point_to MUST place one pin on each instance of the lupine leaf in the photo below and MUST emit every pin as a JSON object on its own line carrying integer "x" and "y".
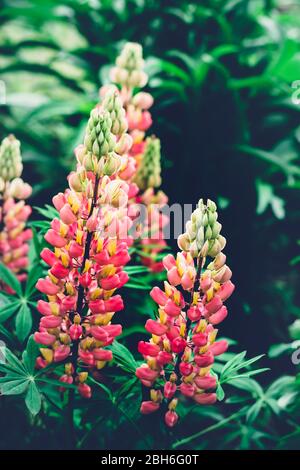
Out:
{"x": 10, "y": 279}
{"x": 8, "y": 310}
{"x": 30, "y": 354}
{"x": 123, "y": 357}
{"x": 23, "y": 322}
{"x": 33, "y": 399}
{"x": 13, "y": 362}
{"x": 14, "y": 387}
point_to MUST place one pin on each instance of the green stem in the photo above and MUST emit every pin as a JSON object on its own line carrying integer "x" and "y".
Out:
{"x": 209, "y": 429}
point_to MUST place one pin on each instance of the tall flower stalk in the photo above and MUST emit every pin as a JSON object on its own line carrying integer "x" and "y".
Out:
{"x": 144, "y": 155}
{"x": 180, "y": 354}
{"x": 89, "y": 250}
{"x": 14, "y": 235}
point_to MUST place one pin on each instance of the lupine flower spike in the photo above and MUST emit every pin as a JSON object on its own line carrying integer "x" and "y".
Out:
{"x": 180, "y": 354}
{"x": 14, "y": 235}
{"x": 86, "y": 259}
{"x": 144, "y": 153}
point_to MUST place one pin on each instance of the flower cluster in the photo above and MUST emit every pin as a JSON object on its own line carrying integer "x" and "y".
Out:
{"x": 144, "y": 154}
{"x": 183, "y": 346}
{"x": 14, "y": 235}
{"x": 88, "y": 253}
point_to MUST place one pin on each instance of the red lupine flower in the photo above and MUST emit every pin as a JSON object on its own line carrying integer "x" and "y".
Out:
{"x": 142, "y": 163}
{"x": 182, "y": 349}
{"x": 148, "y": 407}
{"x": 14, "y": 213}
{"x": 87, "y": 257}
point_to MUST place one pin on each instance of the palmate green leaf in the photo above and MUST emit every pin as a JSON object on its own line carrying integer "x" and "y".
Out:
{"x": 231, "y": 370}
{"x": 14, "y": 387}
{"x": 33, "y": 399}
{"x": 220, "y": 393}
{"x": 248, "y": 385}
{"x": 23, "y": 322}
{"x": 254, "y": 410}
{"x": 34, "y": 274}
{"x": 123, "y": 357}
{"x": 231, "y": 364}
{"x": 245, "y": 375}
{"x": 279, "y": 386}
{"x": 13, "y": 363}
{"x": 10, "y": 279}
{"x": 37, "y": 242}
{"x": 30, "y": 354}
{"x": 6, "y": 334}
{"x": 49, "y": 212}
{"x": 8, "y": 310}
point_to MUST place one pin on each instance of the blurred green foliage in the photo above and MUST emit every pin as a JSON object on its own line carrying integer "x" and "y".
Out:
{"x": 225, "y": 77}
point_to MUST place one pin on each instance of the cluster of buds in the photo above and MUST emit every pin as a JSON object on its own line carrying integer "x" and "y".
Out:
{"x": 144, "y": 155}
{"x": 86, "y": 260}
{"x": 128, "y": 71}
{"x": 148, "y": 173}
{"x": 203, "y": 232}
{"x": 181, "y": 352}
{"x": 14, "y": 213}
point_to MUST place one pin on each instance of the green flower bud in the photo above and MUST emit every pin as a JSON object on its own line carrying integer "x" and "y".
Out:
{"x": 202, "y": 236}
{"x": 113, "y": 104}
{"x": 148, "y": 174}
{"x": 10, "y": 159}
{"x": 109, "y": 165}
{"x": 129, "y": 67}
{"x": 214, "y": 248}
{"x": 99, "y": 140}
{"x": 2, "y": 184}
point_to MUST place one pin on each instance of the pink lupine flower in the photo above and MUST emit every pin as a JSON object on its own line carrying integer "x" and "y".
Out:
{"x": 169, "y": 389}
{"x": 148, "y": 407}
{"x": 14, "y": 213}
{"x": 46, "y": 286}
{"x": 44, "y": 338}
{"x": 148, "y": 349}
{"x": 136, "y": 169}
{"x": 155, "y": 328}
{"x": 171, "y": 418}
{"x": 85, "y": 260}
{"x": 182, "y": 350}
{"x": 219, "y": 347}
{"x": 205, "y": 398}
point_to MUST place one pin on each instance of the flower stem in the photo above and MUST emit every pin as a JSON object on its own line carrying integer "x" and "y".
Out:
{"x": 79, "y": 308}
{"x": 188, "y": 321}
